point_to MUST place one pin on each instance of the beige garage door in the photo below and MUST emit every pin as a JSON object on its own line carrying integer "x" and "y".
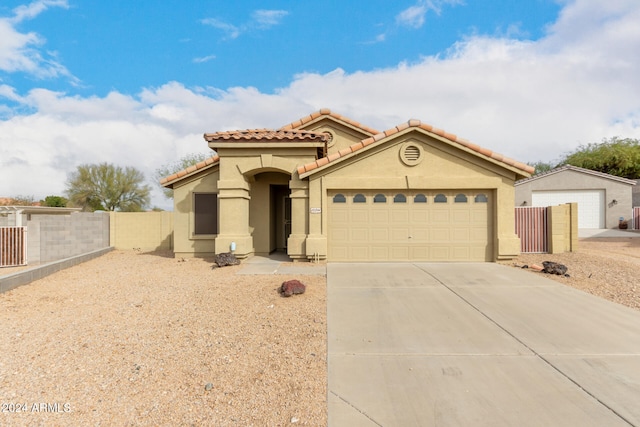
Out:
{"x": 410, "y": 226}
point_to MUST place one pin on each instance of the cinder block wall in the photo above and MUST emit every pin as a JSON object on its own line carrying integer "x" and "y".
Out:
{"x": 64, "y": 236}
{"x": 146, "y": 231}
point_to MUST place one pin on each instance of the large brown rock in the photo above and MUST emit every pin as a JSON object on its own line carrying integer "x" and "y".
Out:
{"x": 292, "y": 287}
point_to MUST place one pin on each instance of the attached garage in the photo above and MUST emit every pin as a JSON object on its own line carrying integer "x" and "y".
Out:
{"x": 422, "y": 225}
{"x": 590, "y": 204}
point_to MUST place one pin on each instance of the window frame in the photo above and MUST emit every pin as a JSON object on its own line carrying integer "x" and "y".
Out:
{"x": 194, "y": 215}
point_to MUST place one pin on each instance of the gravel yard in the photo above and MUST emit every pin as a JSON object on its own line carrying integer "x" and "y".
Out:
{"x": 606, "y": 267}
{"x": 146, "y": 339}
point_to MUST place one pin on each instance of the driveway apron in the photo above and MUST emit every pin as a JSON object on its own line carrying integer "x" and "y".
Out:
{"x": 428, "y": 344}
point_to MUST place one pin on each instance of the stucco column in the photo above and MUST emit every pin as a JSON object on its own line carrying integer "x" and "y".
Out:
{"x": 233, "y": 201}
{"x": 508, "y": 244}
{"x": 317, "y": 239}
{"x": 296, "y": 243}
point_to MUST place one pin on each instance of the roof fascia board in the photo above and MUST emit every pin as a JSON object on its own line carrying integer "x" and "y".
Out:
{"x": 192, "y": 174}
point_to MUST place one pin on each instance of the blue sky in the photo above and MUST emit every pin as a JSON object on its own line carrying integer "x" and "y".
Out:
{"x": 138, "y": 82}
{"x": 128, "y": 45}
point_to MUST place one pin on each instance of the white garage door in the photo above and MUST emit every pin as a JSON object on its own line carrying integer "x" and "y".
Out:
{"x": 590, "y": 204}
{"x": 410, "y": 226}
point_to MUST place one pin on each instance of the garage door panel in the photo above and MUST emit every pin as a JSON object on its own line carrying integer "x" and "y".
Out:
{"x": 358, "y": 215}
{"x": 419, "y": 252}
{"x": 477, "y": 234}
{"x": 379, "y": 253}
{"x": 439, "y": 234}
{"x": 441, "y": 217}
{"x": 460, "y": 235}
{"x": 410, "y": 231}
{"x": 419, "y": 235}
{"x": 399, "y": 216}
{"x": 479, "y": 216}
{"x": 441, "y": 253}
{"x": 591, "y": 206}
{"x": 399, "y": 234}
{"x": 379, "y": 235}
{"x": 359, "y": 235}
{"x": 400, "y": 253}
{"x": 461, "y": 216}
{"x": 420, "y": 216}
{"x": 380, "y": 217}
{"x": 339, "y": 235}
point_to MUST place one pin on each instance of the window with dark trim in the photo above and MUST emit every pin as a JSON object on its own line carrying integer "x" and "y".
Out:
{"x": 359, "y": 198}
{"x": 440, "y": 198}
{"x": 420, "y": 198}
{"x": 480, "y": 198}
{"x": 205, "y": 212}
{"x": 460, "y": 198}
{"x": 380, "y": 198}
{"x": 339, "y": 198}
{"x": 400, "y": 198}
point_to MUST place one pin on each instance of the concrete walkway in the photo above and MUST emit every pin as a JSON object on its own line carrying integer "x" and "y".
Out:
{"x": 476, "y": 345}
{"x": 279, "y": 263}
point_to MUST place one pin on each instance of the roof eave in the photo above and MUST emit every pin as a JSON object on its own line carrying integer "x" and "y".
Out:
{"x": 215, "y": 145}
{"x": 415, "y": 126}
{"x": 578, "y": 170}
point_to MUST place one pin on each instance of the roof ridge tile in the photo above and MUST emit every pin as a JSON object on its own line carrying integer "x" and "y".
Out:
{"x": 327, "y": 112}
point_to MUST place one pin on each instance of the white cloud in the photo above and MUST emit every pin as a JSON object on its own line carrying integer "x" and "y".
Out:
{"x": 231, "y": 30}
{"x": 261, "y": 19}
{"x": 203, "y": 59}
{"x": 33, "y": 9}
{"x": 531, "y": 100}
{"x": 22, "y": 52}
{"x": 414, "y": 16}
{"x": 268, "y": 18}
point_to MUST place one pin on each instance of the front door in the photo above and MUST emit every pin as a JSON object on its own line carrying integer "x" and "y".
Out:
{"x": 281, "y": 216}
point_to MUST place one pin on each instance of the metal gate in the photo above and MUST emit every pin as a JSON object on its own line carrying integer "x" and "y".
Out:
{"x": 636, "y": 218}
{"x": 13, "y": 246}
{"x": 531, "y": 227}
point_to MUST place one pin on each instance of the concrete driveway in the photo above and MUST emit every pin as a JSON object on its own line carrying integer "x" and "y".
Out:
{"x": 476, "y": 344}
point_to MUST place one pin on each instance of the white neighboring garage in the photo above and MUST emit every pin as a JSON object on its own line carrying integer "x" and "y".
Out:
{"x": 591, "y": 207}
{"x": 602, "y": 198}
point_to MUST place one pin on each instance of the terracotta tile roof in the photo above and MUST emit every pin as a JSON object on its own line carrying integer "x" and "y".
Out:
{"x": 577, "y": 169}
{"x": 417, "y": 124}
{"x": 324, "y": 113}
{"x": 267, "y": 134}
{"x": 169, "y": 180}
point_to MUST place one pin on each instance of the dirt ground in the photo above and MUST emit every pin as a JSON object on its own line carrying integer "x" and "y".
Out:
{"x": 606, "y": 267}
{"x": 146, "y": 339}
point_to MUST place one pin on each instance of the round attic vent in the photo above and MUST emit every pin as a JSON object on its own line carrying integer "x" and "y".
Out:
{"x": 411, "y": 153}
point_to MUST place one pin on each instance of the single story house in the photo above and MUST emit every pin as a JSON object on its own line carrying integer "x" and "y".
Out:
{"x": 602, "y": 198}
{"x": 326, "y": 187}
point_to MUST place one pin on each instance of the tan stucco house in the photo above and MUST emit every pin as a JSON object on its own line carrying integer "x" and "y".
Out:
{"x": 329, "y": 188}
